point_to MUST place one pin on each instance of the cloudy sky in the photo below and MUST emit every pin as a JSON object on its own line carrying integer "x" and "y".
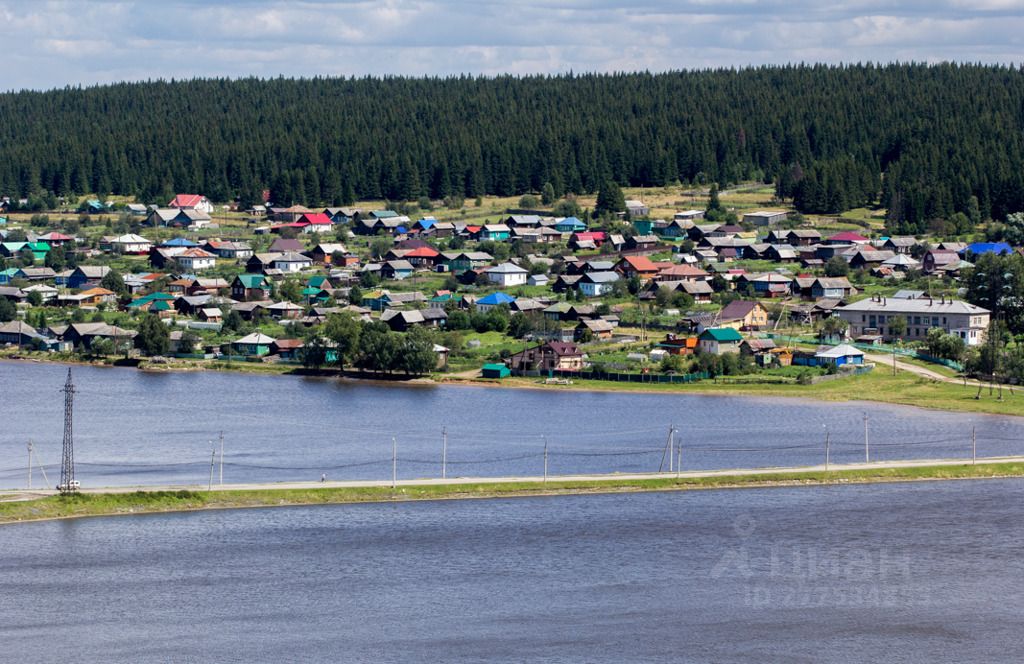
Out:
{"x": 52, "y": 44}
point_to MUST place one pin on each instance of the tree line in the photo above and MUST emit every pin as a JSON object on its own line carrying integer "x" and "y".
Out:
{"x": 926, "y": 141}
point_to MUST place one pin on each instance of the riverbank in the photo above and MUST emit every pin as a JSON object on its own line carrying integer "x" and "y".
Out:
{"x": 905, "y": 388}
{"x": 120, "y": 502}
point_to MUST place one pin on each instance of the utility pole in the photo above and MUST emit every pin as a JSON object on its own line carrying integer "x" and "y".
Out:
{"x": 671, "y": 445}
{"x": 545, "y": 459}
{"x": 974, "y": 445}
{"x": 67, "y": 463}
{"x": 444, "y": 453}
{"x": 827, "y": 443}
{"x": 30, "y": 465}
{"x": 42, "y": 468}
{"x": 213, "y": 459}
{"x": 394, "y": 462}
{"x": 867, "y": 455}
{"x": 222, "y": 457}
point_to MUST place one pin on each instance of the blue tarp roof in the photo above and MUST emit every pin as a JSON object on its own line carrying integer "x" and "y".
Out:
{"x": 179, "y": 242}
{"x": 989, "y": 248}
{"x": 496, "y": 299}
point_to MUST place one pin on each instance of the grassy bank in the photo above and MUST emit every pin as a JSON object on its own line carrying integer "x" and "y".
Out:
{"x": 903, "y": 389}
{"x": 143, "y": 502}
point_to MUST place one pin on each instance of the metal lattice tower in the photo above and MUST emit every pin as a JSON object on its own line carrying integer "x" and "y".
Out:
{"x": 67, "y": 462}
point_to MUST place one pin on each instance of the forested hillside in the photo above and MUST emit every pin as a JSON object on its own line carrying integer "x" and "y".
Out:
{"x": 920, "y": 140}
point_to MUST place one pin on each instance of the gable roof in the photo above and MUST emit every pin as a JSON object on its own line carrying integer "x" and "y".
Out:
{"x": 497, "y": 298}
{"x": 186, "y": 201}
{"x": 848, "y": 236}
{"x": 640, "y": 263}
{"x": 721, "y": 334}
{"x": 737, "y": 310}
{"x": 257, "y": 338}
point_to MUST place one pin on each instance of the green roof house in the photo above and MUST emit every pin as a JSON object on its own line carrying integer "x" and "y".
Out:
{"x": 495, "y": 370}
{"x": 719, "y": 340}
{"x": 249, "y": 287}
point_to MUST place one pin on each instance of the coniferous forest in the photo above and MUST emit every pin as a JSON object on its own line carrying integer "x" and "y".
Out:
{"x": 924, "y": 141}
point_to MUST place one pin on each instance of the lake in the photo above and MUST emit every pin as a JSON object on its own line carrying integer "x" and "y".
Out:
{"x": 926, "y": 572}
{"x": 135, "y": 427}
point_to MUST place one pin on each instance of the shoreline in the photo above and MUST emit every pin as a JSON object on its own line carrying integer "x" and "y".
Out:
{"x": 884, "y": 388}
{"x": 137, "y": 502}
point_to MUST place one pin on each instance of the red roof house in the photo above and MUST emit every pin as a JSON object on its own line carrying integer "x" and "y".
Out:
{"x": 191, "y": 202}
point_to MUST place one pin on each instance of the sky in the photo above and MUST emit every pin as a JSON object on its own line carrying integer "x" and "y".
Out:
{"x": 53, "y": 44}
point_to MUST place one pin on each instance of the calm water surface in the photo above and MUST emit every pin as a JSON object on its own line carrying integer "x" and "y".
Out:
{"x": 927, "y": 572}
{"x": 148, "y": 428}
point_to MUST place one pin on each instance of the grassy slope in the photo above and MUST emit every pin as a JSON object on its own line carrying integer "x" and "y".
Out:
{"x": 879, "y": 385}
{"x": 167, "y": 501}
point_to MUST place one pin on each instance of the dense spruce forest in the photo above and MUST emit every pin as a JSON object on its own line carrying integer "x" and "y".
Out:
{"x": 927, "y": 142}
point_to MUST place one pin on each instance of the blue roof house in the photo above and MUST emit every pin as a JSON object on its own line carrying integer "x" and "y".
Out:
{"x": 570, "y": 225}
{"x": 493, "y": 300}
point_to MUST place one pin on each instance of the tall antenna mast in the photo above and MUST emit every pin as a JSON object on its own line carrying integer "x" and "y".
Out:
{"x": 67, "y": 463}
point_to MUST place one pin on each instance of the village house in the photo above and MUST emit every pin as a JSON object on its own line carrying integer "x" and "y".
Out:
{"x": 875, "y": 316}
{"x": 130, "y": 244}
{"x": 595, "y": 328}
{"x": 230, "y": 250}
{"x": 289, "y": 350}
{"x": 314, "y": 222}
{"x": 397, "y": 269}
{"x": 250, "y": 288}
{"x": 191, "y": 202}
{"x": 460, "y": 261}
{"x": 867, "y": 257}
{"x": 175, "y": 218}
{"x": 570, "y": 225}
{"x": 507, "y": 275}
{"x": 700, "y": 291}
{"x": 87, "y": 276}
{"x": 255, "y": 345}
{"x": 84, "y": 334}
{"x": 493, "y": 301}
{"x": 284, "y": 310}
{"x": 765, "y": 217}
{"x": 290, "y": 262}
{"x": 900, "y": 245}
{"x": 495, "y": 232}
{"x": 639, "y": 266}
{"x": 838, "y": 288}
{"x": 19, "y": 333}
{"x": 637, "y": 209}
{"x": 550, "y": 356}
{"x": 596, "y": 284}
{"x": 939, "y": 260}
{"x": 195, "y": 260}
{"x": 743, "y": 315}
{"x": 719, "y": 341}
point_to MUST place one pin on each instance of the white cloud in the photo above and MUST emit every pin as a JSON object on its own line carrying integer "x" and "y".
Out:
{"x": 54, "y": 43}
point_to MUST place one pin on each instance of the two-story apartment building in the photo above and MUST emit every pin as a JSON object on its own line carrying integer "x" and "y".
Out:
{"x": 875, "y": 316}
